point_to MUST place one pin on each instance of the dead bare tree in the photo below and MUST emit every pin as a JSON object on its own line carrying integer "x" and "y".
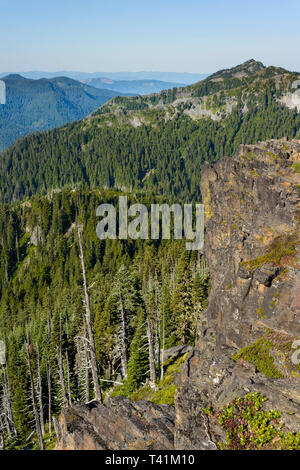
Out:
{"x": 61, "y": 375}
{"x": 86, "y": 371}
{"x": 123, "y": 337}
{"x": 40, "y": 392}
{"x": 163, "y": 345}
{"x": 49, "y": 397}
{"x": 157, "y": 328}
{"x": 48, "y": 366}
{"x": 7, "y": 405}
{"x": 90, "y": 334}
{"x": 151, "y": 352}
{"x": 7, "y": 420}
{"x": 61, "y": 367}
{"x": 82, "y": 366}
{"x": 150, "y": 302}
{"x": 68, "y": 379}
{"x": 33, "y": 399}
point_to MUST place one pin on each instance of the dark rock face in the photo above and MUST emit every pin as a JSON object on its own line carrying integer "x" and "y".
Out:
{"x": 252, "y": 209}
{"x": 118, "y": 425}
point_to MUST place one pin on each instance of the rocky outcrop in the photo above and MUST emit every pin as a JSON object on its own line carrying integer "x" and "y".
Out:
{"x": 119, "y": 425}
{"x": 246, "y": 335}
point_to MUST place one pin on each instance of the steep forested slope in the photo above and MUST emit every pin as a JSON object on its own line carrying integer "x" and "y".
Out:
{"x": 36, "y": 105}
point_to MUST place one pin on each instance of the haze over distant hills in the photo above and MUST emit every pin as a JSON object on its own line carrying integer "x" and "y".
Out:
{"x": 136, "y": 87}
{"x": 36, "y": 105}
{"x": 177, "y": 77}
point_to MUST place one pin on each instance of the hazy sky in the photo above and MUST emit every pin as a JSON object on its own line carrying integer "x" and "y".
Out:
{"x": 166, "y": 35}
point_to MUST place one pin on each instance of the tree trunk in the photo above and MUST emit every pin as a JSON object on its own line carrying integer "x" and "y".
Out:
{"x": 49, "y": 379}
{"x": 151, "y": 352}
{"x": 157, "y": 332}
{"x": 68, "y": 379}
{"x": 86, "y": 370}
{"x": 61, "y": 367}
{"x": 61, "y": 375}
{"x": 163, "y": 347}
{"x": 49, "y": 398}
{"x": 92, "y": 351}
{"x": 34, "y": 405}
{"x": 40, "y": 392}
{"x": 123, "y": 338}
{"x": 7, "y": 406}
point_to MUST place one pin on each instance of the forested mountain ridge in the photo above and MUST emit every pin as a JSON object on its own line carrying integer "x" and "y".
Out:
{"x": 156, "y": 143}
{"x": 217, "y": 95}
{"x": 36, "y": 105}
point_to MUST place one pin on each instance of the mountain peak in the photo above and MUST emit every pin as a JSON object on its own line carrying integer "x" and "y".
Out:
{"x": 13, "y": 76}
{"x": 253, "y": 63}
{"x": 247, "y": 68}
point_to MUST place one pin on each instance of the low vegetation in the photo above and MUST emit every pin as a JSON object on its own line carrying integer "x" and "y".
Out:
{"x": 164, "y": 391}
{"x": 249, "y": 426}
{"x": 281, "y": 252}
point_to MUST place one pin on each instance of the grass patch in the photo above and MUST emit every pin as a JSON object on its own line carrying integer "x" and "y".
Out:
{"x": 281, "y": 252}
{"x": 264, "y": 352}
{"x": 261, "y": 313}
{"x": 259, "y": 355}
{"x": 165, "y": 388}
{"x": 296, "y": 167}
{"x": 254, "y": 173}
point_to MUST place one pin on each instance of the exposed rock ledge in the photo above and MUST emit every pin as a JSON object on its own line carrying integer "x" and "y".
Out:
{"x": 252, "y": 247}
{"x": 119, "y": 424}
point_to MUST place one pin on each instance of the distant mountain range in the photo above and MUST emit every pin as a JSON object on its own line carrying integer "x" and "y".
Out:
{"x": 135, "y": 87}
{"x": 174, "y": 77}
{"x": 37, "y": 105}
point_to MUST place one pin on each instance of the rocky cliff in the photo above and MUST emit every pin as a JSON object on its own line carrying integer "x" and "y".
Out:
{"x": 246, "y": 337}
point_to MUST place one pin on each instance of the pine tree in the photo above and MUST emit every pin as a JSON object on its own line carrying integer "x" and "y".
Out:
{"x": 138, "y": 363}
{"x": 182, "y": 301}
{"x": 125, "y": 297}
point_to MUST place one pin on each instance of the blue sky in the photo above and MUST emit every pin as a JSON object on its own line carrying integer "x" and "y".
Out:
{"x": 166, "y": 35}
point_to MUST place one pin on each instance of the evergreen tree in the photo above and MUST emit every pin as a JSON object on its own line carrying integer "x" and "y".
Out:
{"x": 138, "y": 363}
